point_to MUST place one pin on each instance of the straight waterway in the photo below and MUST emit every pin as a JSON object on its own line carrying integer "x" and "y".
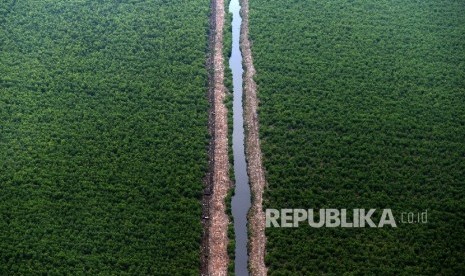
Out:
{"x": 241, "y": 200}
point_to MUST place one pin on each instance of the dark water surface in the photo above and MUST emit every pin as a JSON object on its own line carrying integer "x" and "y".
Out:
{"x": 241, "y": 200}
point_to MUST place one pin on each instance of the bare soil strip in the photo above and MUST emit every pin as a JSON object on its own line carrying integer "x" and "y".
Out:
{"x": 214, "y": 250}
{"x": 257, "y": 239}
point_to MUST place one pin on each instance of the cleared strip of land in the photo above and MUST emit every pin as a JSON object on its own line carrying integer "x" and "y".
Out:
{"x": 217, "y": 263}
{"x": 254, "y": 156}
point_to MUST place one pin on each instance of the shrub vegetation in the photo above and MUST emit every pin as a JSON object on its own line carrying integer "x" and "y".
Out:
{"x": 103, "y": 136}
{"x": 362, "y": 106}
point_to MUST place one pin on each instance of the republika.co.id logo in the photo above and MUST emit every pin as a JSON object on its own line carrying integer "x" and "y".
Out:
{"x": 340, "y": 218}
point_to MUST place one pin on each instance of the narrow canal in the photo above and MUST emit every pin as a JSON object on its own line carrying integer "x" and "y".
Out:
{"x": 241, "y": 201}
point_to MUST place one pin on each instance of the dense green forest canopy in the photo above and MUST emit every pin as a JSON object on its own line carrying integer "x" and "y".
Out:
{"x": 362, "y": 106}
{"x": 103, "y": 136}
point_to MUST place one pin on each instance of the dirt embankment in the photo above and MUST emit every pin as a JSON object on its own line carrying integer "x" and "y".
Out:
{"x": 214, "y": 249}
{"x": 257, "y": 239}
